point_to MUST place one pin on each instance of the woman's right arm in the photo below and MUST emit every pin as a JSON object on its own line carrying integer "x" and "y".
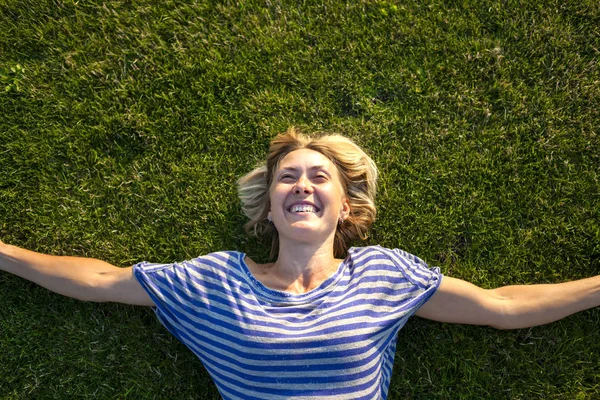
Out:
{"x": 85, "y": 279}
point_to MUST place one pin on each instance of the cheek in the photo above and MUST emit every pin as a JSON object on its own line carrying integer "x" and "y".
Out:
{"x": 276, "y": 196}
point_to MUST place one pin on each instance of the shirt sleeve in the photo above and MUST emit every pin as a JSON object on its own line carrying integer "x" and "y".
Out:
{"x": 426, "y": 280}
{"x": 155, "y": 278}
{"x": 175, "y": 292}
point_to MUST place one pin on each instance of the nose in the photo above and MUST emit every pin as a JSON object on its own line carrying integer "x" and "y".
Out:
{"x": 303, "y": 185}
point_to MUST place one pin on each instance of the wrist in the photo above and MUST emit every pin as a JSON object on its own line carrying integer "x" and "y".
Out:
{"x": 3, "y": 249}
{"x": 4, "y": 256}
{"x": 8, "y": 261}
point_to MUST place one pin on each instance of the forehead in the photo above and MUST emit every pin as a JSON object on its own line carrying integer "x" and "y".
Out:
{"x": 306, "y": 158}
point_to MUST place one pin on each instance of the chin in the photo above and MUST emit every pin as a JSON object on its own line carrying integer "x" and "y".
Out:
{"x": 303, "y": 231}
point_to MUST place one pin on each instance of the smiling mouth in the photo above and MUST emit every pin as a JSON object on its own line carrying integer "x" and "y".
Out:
{"x": 303, "y": 208}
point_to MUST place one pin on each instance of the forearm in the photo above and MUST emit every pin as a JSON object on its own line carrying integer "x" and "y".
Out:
{"x": 531, "y": 305}
{"x": 70, "y": 276}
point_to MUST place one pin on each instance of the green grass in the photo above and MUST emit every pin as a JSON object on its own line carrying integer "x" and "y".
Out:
{"x": 124, "y": 126}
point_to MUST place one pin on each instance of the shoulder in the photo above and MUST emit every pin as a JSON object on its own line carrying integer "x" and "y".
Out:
{"x": 410, "y": 266}
{"x": 397, "y": 255}
{"x": 378, "y": 252}
{"x": 372, "y": 258}
{"x": 221, "y": 260}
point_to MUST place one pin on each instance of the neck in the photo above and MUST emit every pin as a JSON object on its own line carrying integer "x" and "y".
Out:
{"x": 302, "y": 267}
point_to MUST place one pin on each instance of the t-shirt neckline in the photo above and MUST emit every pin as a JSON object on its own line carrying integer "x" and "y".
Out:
{"x": 276, "y": 295}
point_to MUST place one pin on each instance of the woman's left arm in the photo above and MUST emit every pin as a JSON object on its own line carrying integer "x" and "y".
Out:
{"x": 509, "y": 307}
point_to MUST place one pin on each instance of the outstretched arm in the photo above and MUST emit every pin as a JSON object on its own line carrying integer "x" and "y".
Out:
{"x": 85, "y": 279}
{"x": 510, "y": 307}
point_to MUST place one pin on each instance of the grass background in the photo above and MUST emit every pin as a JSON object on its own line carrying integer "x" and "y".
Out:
{"x": 124, "y": 125}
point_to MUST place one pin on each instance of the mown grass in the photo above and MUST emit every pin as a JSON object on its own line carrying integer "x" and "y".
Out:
{"x": 125, "y": 125}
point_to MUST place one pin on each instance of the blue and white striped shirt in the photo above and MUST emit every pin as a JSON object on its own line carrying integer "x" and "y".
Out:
{"x": 335, "y": 342}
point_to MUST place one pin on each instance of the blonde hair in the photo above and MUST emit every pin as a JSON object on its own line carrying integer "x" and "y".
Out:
{"x": 358, "y": 175}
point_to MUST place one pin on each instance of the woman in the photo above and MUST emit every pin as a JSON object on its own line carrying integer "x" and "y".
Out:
{"x": 310, "y": 324}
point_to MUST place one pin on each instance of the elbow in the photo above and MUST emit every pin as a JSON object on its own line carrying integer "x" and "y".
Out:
{"x": 509, "y": 313}
{"x": 514, "y": 325}
{"x": 502, "y": 314}
{"x": 511, "y": 319}
{"x": 82, "y": 290}
{"x": 502, "y": 323}
{"x": 86, "y": 293}
{"x": 91, "y": 290}
{"x": 89, "y": 296}
{"x": 502, "y": 327}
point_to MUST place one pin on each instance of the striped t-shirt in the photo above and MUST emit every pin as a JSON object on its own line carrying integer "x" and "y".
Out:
{"x": 335, "y": 342}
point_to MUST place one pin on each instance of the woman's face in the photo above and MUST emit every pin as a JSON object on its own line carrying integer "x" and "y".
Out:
{"x": 307, "y": 198}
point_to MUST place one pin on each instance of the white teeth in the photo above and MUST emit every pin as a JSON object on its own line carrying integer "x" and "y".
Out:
{"x": 303, "y": 208}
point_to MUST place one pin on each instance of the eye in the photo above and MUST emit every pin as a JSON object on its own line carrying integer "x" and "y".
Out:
{"x": 321, "y": 177}
{"x": 286, "y": 177}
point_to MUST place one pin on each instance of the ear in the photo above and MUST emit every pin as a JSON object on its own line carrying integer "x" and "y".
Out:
{"x": 345, "y": 211}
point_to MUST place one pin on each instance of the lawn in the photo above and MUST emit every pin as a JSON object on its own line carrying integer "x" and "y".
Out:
{"x": 125, "y": 124}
